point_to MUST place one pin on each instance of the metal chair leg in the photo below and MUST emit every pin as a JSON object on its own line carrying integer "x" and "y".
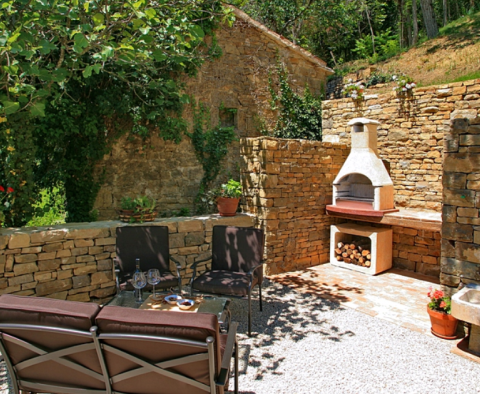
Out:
{"x": 260, "y": 296}
{"x": 236, "y": 366}
{"x": 249, "y": 313}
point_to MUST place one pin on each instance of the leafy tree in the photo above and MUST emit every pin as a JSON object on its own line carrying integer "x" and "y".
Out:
{"x": 59, "y": 59}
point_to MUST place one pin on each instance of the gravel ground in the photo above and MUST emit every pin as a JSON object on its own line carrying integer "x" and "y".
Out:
{"x": 303, "y": 344}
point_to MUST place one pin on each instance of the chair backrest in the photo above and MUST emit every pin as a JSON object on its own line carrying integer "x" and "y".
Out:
{"x": 148, "y": 243}
{"x": 237, "y": 249}
{"x": 48, "y": 347}
{"x": 168, "y": 352}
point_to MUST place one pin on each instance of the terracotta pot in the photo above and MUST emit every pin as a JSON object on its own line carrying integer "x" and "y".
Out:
{"x": 227, "y": 206}
{"x": 443, "y": 325}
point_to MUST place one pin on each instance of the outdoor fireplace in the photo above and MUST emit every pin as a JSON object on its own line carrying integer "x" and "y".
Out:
{"x": 363, "y": 186}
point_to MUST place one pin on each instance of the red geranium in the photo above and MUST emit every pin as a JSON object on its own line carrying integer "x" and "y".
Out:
{"x": 2, "y": 189}
{"x": 438, "y": 301}
{"x": 9, "y": 190}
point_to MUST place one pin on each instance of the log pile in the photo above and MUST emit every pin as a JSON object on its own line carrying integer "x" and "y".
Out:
{"x": 353, "y": 253}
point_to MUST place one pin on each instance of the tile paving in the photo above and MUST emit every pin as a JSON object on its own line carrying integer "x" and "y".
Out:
{"x": 397, "y": 296}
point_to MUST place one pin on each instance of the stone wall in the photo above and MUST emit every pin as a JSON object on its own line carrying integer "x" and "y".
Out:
{"x": 75, "y": 262}
{"x": 238, "y": 80}
{"x": 461, "y": 194}
{"x": 288, "y": 185}
{"x": 411, "y": 134}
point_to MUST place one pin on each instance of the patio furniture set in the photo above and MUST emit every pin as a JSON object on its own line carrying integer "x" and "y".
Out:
{"x": 66, "y": 347}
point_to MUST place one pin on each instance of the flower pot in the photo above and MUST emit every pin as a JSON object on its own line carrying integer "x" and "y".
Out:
{"x": 138, "y": 215}
{"x": 227, "y": 206}
{"x": 443, "y": 325}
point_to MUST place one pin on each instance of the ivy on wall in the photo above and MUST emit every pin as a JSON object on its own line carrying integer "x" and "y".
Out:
{"x": 299, "y": 116}
{"x": 210, "y": 144}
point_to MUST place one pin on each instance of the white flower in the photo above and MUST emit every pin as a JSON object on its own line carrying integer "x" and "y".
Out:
{"x": 404, "y": 89}
{"x": 394, "y": 89}
{"x": 408, "y": 86}
{"x": 362, "y": 87}
{"x": 350, "y": 80}
{"x": 413, "y": 84}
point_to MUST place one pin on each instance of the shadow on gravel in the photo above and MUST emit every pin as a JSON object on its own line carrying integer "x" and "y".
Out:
{"x": 286, "y": 314}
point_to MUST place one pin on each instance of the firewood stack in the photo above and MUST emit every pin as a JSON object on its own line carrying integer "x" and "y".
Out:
{"x": 353, "y": 253}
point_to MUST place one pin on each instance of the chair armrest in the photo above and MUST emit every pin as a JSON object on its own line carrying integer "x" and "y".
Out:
{"x": 194, "y": 265}
{"x": 257, "y": 267}
{"x": 177, "y": 263}
{"x": 227, "y": 355}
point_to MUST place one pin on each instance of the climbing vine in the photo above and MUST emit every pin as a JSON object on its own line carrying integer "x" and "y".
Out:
{"x": 299, "y": 116}
{"x": 210, "y": 144}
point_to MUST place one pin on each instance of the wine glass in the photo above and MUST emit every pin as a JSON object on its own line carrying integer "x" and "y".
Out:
{"x": 139, "y": 281}
{"x": 153, "y": 278}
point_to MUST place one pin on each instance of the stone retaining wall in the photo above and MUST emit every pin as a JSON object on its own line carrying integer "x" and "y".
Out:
{"x": 75, "y": 262}
{"x": 288, "y": 184}
{"x": 411, "y": 134}
{"x": 461, "y": 197}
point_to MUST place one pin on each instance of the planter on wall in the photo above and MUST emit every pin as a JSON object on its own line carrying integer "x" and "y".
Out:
{"x": 443, "y": 325}
{"x": 227, "y": 206}
{"x": 137, "y": 215}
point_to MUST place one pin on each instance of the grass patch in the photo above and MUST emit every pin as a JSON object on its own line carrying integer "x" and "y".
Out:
{"x": 465, "y": 28}
{"x": 468, "y": 77}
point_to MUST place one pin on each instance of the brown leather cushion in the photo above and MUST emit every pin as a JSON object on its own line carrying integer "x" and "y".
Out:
{"x": 184, "y": 325}
{"x": 47, "y": 312}
{"x": 51, "y": 313}
{"x": 224, "y": 282}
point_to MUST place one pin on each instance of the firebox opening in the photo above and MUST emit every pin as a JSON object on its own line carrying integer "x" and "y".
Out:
{"x": 355, "y": 189}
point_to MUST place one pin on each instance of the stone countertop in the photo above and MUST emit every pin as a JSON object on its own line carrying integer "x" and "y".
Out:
{"x": 422, "y": 220}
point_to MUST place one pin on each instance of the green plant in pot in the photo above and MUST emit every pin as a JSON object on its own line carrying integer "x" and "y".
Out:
{"x": 141, "y": 209}
{"x": 228, "y": 197}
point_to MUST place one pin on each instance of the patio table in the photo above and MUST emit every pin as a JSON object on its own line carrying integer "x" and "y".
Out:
{"x": 219, "y": 306}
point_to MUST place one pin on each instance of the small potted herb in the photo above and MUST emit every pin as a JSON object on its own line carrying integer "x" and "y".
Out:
{"x": 228, "y": 197}
{"x": 141, "y": 209}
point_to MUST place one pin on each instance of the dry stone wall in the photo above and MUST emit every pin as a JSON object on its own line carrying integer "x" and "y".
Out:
{"x": 238, "y": 80}
{"x": 75, "y": 262}
{"x": 288, "y": 184}
{"x": 461, "y": 194}
{"x": 410, "y": 136}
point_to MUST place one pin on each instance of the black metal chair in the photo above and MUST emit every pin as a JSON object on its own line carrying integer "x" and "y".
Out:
{"x": 237, "y": 259}
{"x": 150, "y": 245}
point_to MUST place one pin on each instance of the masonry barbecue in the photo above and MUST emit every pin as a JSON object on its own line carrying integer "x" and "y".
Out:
{"x": 363, "y": 186}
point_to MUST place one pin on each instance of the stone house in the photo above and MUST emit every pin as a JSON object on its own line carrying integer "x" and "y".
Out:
{"x": 238, "y": 80}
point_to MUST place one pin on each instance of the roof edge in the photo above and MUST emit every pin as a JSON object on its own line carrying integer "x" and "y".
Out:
{"x": 282, "y": 40}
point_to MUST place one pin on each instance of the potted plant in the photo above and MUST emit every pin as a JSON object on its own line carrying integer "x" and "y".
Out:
{"x": 141, "y": 209}
{"x": 444, "y": 325}
{"x": 228, "y": 197}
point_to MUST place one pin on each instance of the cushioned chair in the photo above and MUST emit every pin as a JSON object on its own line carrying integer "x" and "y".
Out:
{"x": 237, "y": 259}
{"x": 165, "y": 352}
{"x": 150, "y": 245}
{"x": 48, "y": 347}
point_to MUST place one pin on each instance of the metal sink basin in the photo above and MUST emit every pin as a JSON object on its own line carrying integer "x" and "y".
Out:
{"x": 466, "y": 304}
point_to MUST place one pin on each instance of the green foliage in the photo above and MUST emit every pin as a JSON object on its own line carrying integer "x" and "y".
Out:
{"x": 17, "y": 154}
{"x": 378, "y": 77}
{"x": 210, "y": 144}
{"x": 145, "y": 203}
{"x": 76, "y": 75}
{"x": 50, "y": 209}
{"x": 299, "y": 116}
{"x": 231, "y": 189}
{"x": 386, "y": 46}
{"x": 127, "y": 203}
